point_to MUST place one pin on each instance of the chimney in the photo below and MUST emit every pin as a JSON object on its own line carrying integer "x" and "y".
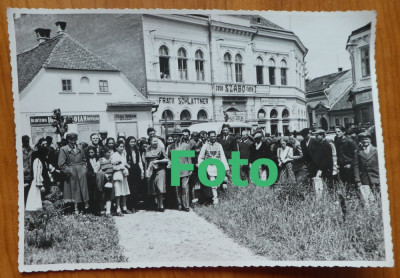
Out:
{"x": 340, "y": 69}
{"x": 42, "y": 34}
{"x": 61, "y": 26}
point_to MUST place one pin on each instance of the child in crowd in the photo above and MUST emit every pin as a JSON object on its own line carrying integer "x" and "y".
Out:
{"x": 104, "y": 176}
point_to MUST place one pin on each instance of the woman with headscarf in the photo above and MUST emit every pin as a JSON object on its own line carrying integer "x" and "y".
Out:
{"x": 41, "y": 178}
{"x": 136, "y": 172}
{"x": 72, "y": 162}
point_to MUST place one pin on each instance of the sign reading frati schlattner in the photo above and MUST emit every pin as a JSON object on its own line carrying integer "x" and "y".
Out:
{"x": 234, "y": 88}
{"x": 183, "y": 100}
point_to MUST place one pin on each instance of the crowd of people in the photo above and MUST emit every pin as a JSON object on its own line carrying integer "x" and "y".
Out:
{"x": 119, "y": 176}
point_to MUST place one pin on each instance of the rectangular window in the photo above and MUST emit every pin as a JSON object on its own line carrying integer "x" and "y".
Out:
{"x": 164, "y": 68}
{"x": 66, "y": 85}
{"x": 337, "y": 122}
{"x": 182, "y": 67}
{"x": 365, "y": 70}
{"x": 271, "y": 71}
{"x": 346, "y": 121}
{"x": 238, "y": 71}
{"x": 200, "y": 70}
{"x": 365, "y": 114}
{"x": 259, "y": 72}
{"x": 228, "y": 72}
{"x": 103, "y": 86}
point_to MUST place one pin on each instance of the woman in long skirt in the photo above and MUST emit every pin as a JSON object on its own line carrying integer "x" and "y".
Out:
{"x": 157, "y": 161}
{"x": 136, "y": 172}
{"x": 41, "y": 178}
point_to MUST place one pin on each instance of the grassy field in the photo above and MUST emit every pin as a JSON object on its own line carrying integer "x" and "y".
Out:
{"x": 71, "y": 239}
{"x": 298, "y": 228}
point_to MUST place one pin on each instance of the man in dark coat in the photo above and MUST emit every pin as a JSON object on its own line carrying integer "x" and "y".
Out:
{"x": 260, "y": 149}
{"x": 228, "y": 142}
{"x": 366, "y": 166}
{"x": 27, "y": 162}
{"x": 244, "y": 148}
{"x": 323, "y": 157}
{"x": 346, "y": 149}
{"x": 95, "y": 144}
{"x": 308, "y": 146}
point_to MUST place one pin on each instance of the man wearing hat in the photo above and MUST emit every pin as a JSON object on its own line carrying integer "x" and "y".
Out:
{"x": 103, "y": 137}
{"x": 366, "y": 166}
{"x": 228, "y": 142}
{"x": 323, "y": 157}
{"x": 194, "y": 182}
{"x": 308, "y": 146}
{"x": 346, "y": 149}
{"x": 72, "y": 162}
{"x": 259, "y": 149}
{"x": 244, "y": 148}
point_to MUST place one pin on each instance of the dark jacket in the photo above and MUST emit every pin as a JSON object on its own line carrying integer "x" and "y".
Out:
{"x": 263, "y": 152}
{"x": 366, "y": 167}
{"x": 229, "y": 145}
{"x": 309, "y": 152}
{"x": 323, "y": 158}
{"x": 244, "y": 148}
{"x": 345, "y": 150}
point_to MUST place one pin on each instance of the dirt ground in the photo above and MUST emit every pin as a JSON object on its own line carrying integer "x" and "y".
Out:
{"x": 176, "y": 237}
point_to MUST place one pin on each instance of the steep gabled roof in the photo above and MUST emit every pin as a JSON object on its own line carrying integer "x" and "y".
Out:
{"x": 323, "y": 82}
{"x": 342, "y": 103}
{"x": 60, "y": 52}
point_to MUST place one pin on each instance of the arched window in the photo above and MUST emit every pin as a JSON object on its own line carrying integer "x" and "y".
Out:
{"x": 84, "y": 80}
{"x": 182, "y": 64}
{"x": 273, "y": 114}
{"x": 228, "y": 67}
{"x": 283, "y": 72}
{"x": 259, "y": 71}
{"x": 271, "y": 71}
{"x": 185, "y": 115}
{"x": 202, "y": 115}
{"x": 238, "y": 68}
{"x": 285, "y": 113}
{"x": 167, "y": 114}
{"x": 199, "y": 63}
{"x": 164, "y": 62}
{"x": 261, "y": 114}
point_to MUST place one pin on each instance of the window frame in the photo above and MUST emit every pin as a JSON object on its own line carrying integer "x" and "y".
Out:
{"x": 199, "y": 66}
{"x": 365, "y": 61}
{"x": 228, "y": 67}
{"x": 182, "y": 64}
{"x": 64, "y": 87}
{"x": 102, "y": 88}
{"x": 238, "y": 68}
{"x": 164, "y": 59}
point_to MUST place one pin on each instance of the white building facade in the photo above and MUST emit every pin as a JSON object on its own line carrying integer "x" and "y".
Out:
{"x": 224, "y": 68}
{"x": 92, "y": 92}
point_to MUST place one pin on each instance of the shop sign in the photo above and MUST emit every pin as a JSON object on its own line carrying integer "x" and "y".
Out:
{"x": 183, "y": 100}
{"x": 234, "y": 89}
{"x": 125, "y": 117}
{"x": 363, "y": 97}
{"x": 273, "y": 101}
{"x": 77, "y": 119}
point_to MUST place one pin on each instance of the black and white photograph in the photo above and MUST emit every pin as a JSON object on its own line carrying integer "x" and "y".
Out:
{"x": 104, "y": 98}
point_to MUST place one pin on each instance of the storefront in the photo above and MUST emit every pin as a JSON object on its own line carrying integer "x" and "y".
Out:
{"x": 180, "y": 112}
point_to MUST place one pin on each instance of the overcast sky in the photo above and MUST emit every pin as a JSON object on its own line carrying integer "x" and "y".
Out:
{"x": 325, "y": 35}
